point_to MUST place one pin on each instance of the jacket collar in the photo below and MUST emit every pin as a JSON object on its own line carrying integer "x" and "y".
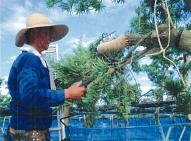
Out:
{"x": 31, "y": 49}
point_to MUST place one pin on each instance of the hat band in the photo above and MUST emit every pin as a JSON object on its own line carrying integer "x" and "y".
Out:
{"x": 40, "y": 25}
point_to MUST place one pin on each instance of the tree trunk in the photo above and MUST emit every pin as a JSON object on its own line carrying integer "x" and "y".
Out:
{"x": 126, "y": 121}
{"x": 151, "y": 40}
{"x": 157, "y": 117}
{"x": 66, "y": 114}
{"x": 185, "y": 72}
{"x": 185, "y": 41}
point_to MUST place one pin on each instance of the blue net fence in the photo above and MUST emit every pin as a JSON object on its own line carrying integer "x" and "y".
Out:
{"x": 138, "y": 129}
{"x": 134, "y": 133}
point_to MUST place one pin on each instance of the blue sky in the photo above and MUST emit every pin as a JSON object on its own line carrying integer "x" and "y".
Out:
{"x": 87, "y": 27}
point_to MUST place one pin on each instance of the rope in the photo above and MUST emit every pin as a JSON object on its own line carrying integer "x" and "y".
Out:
{"x": 163, "y": 49}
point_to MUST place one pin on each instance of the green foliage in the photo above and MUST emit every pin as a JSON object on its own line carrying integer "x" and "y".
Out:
{"x": 76, "y": 67}
{"x": 119, "y": 1}
{"x": 183, "y": 100}
{"x": 124, "y": 95}
{"x": 79, "y": 6}
{"x": 168, "y": 81}
{"x": 179, "y": 9}
{"x": 160, "y": 70}
{"x": 1, "y": 80}
{"x": 4, "y": 101}
{"x": 155, "y": 72}
{"x": 144, "y": 22}
{"x": 175, "y": 88}
{"x": 136, "y": 67}
{"x": 112, "y": 89}
{"x": 188, "y": 26}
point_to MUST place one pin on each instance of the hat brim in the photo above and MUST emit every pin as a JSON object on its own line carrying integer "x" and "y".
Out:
{"x": 57, "y": 32}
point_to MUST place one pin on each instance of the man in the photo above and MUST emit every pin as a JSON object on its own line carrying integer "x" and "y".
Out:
{"x": 31, "y": 83}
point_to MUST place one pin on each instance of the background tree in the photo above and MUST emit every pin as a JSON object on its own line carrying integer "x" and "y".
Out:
{"x": 79, "y": 6}
{"x": 111, "y": 88}
{"x": 180, "y": 9}
{"x": 4, "y": 100}
{"x": 1, "y": 80}
{"x": 161, "y": 72}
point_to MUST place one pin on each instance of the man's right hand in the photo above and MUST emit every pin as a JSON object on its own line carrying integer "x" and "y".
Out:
{"x": 75, "y": 91}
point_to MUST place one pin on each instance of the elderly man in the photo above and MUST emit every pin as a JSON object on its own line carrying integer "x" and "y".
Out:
{"x": 31, "y": 83}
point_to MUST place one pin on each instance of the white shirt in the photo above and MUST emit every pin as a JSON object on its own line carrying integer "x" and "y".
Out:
{"x": 35, "y": 52}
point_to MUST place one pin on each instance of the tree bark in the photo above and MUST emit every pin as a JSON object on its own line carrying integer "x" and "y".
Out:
{"x": 185, "y": 72}
{"x": 66, "y": 114}
{"x": 151, "y": 40}
{"x": 157, "y": 117}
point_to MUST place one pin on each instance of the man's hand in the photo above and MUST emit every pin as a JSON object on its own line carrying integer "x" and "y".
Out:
{"x": 75, "y": 91}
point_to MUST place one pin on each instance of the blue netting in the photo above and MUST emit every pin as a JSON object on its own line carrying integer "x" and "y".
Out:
{"x": 139, "y": 129}
{"x": 106, "y": 122}
{"x": 138, "y": 133}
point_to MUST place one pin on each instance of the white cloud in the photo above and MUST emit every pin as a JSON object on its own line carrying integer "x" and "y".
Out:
{"x": 108, "y": 3}
{"x": 188, "y": 21}
{"x": 140, "y": 48}
{"x": 10, "y": 60}
{"x": 20, "y": 13}
{"x": 144, "y": 78}
{"x": 3, "y": 87}
{"x": 83, "y": 40}
{"x": 11, "y": 26}
{"x": 28, "y": 4}
{"x": 16, "y": 21}
{"x": 145, "y": 88}
{"x": 1, "y": 37}
{"x": 55, "y": 14}
{"x": 184, "y": 22}
{"x": 113, "y": 6}
{"x": 145, "y": 61}
{"x": 74, "y": 42}
{"x": 145, "y": 83}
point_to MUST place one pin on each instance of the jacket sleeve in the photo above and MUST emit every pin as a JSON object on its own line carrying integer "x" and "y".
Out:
{"x": 30, "y": 91}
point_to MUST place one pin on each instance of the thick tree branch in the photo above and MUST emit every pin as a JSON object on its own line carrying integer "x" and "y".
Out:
{"x": 152, "y": 42}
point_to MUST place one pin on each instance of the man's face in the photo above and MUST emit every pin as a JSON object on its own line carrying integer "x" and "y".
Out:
{"x": 42, "y": 38}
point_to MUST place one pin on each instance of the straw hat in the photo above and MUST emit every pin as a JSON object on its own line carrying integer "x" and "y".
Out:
{"x": 37, "y": 20}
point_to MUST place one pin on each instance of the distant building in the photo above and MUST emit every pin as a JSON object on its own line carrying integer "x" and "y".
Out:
{"x": 51, "y": 54}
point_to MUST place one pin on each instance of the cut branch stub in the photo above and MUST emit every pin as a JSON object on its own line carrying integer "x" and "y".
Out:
{"x": 113, "y": 45}
{"x": 150, "y": 40}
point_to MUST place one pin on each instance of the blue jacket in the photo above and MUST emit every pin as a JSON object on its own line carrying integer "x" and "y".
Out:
{"x": 32, "y": 98}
